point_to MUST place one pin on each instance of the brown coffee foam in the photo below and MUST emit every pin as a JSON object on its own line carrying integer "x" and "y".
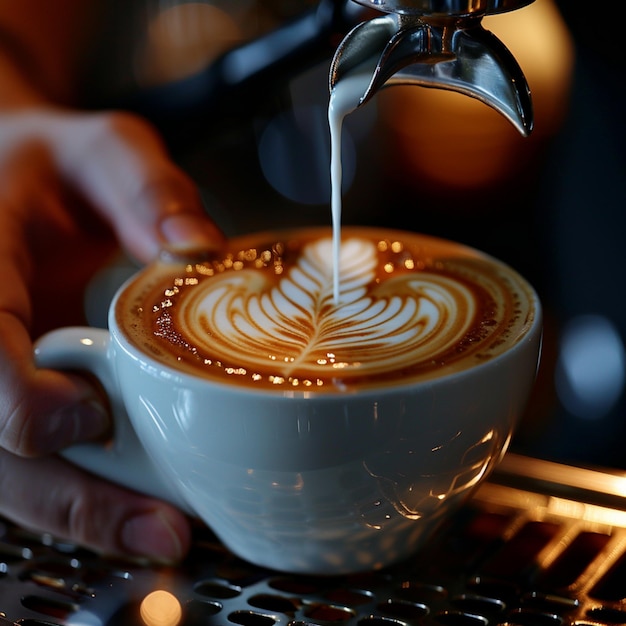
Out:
{"x": 146, "y": 311}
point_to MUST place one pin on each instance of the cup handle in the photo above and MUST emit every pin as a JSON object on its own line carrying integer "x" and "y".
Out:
{"x": 122, "y": 460}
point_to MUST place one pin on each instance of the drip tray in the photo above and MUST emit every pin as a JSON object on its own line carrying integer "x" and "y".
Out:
{"x": 540, "y": 544}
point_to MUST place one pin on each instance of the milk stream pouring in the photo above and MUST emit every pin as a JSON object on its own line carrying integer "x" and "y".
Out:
{"x": 345, "y": 97}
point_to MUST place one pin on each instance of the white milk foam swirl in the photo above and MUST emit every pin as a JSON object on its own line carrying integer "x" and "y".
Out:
{"x": 247, "y": 319}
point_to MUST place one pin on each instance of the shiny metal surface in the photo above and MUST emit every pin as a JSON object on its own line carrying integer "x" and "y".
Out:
{"x": 530, "y": 549}
{"x": 445, "y": 7}
{"x": 450, "y": 51}
{"x": 603, "y": 488}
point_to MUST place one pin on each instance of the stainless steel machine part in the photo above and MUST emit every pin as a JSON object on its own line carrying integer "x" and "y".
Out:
{"x": 455, "y": 8}
{"x": 440, "y": 44}
{"x": 539, "y": 544}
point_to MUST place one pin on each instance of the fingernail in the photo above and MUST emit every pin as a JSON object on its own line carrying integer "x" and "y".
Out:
{"x": 189, "y": 230}
{"x": 151, "y": 535}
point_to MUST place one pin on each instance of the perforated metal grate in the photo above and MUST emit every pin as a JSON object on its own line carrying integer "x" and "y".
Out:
{"x": 539, "y": 545}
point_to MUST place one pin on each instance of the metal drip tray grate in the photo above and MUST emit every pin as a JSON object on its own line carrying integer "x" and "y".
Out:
{"x": 541, "y": 544}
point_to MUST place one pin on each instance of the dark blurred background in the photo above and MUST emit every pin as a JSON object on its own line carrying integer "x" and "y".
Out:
{"x": 252, "y": 131}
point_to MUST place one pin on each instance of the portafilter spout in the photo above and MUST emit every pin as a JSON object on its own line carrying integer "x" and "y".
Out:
{"x": 440, "y": 44}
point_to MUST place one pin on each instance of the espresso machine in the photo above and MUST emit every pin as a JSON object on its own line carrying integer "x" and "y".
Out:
{"x": 438, "y": 44}
{"x": 541, "y": 543}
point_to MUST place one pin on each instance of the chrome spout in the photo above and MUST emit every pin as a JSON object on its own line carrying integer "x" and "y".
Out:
{"x": 440, "y": 44}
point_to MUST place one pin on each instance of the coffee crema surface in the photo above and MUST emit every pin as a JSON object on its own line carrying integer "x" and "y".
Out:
{"x": 263, "y": 315}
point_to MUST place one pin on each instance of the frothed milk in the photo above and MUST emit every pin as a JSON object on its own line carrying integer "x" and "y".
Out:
{"x": 263, "y": 315}
{"x": 344, "y": 99}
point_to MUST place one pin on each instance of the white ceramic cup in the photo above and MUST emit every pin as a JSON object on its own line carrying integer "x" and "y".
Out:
{"x": 322, "y": 483}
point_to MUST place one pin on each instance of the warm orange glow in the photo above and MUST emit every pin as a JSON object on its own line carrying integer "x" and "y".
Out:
{"x": 452, "y": 140}
{"x": 183, "y": 39}
{"x": 160, "y": 608}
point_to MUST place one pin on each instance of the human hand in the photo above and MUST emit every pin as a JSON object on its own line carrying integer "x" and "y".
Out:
{"x": 71, "y": 186}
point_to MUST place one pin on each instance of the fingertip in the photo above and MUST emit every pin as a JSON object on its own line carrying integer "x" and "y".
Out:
{"x": 189, "y": 230}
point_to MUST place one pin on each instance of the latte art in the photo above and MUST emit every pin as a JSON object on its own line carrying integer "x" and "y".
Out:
{"x": 295, "y": 327}
{"x": 266, "y": 316}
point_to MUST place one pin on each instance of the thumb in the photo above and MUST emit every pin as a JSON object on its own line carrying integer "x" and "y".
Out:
{"x": 120, "y": 164}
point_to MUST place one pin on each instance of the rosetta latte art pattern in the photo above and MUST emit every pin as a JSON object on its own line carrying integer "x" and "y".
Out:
{"x": 294, "y": 325}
